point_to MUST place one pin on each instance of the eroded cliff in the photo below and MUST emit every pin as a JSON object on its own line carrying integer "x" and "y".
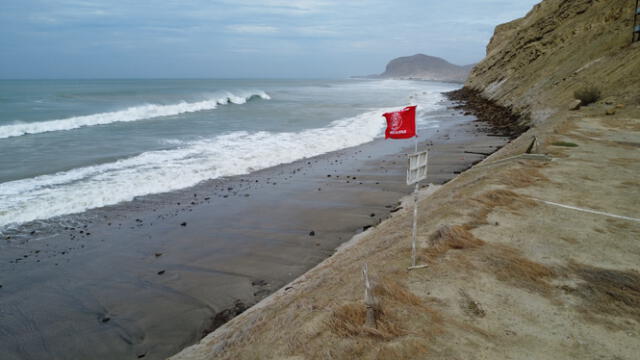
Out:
{"x": 535, "y": 63}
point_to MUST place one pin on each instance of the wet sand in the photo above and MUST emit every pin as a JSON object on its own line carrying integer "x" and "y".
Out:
{"x": 146, "y": 278}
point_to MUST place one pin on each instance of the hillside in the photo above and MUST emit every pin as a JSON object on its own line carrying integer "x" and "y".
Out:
{"x": 425, "y": 67}
{"x": 536, "y": 63}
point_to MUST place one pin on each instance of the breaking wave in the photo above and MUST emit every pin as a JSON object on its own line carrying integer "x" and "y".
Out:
{"x": 136, "y": 113}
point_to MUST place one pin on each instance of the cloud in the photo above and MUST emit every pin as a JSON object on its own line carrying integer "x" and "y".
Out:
{"x": 252, "y": 29}
{"x": 283, "y": 7}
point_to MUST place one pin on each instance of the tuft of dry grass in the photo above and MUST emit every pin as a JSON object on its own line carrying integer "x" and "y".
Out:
{"x": 454, "y": 237}
{"x": 390, "y": 290}
{"x": 348, "y": 320}
{"x": 510, "y": 266}
{"x": 608, "y": 292}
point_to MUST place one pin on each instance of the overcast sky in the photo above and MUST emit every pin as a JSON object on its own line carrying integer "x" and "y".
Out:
{"x": 239, "y": 38}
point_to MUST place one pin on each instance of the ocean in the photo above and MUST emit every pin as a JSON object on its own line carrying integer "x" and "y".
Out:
{"x": 67, "y": 146}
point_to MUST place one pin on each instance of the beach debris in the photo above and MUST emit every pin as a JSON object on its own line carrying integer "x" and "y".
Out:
{"x": 610, "y": 112}
{"x": 158, "y": 254}
{"x": 372, "y": 215}
{"x": 105, "y": 319}
{"x": 140, "y": 356}
{"x": 312, "y": 233}
{"x": 183, "y": 224}
{"x": 161, "y": 272}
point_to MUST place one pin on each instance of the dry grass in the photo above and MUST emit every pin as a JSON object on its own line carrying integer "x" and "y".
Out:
{"x": 625, "y": 162}
{"x": 410, "y": 348}
{"x": 394, "y": 300}
{"x": 405, "y": 326}
{"x": 523, "y": 177}
{"x": 510, "y": 266}
{"x": 492, "y": 199}
{"x": 629, "y": 184}
{"x": 454, "y": 237}
{"x": 390, "y": 290}
{"x": 504, "y": 198}
{"x": 608, "y": 292}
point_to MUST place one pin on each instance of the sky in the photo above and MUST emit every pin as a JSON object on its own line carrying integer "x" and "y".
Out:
{"x": 239, "y": 38}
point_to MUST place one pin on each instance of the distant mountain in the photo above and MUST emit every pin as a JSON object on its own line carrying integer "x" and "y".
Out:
{"x": 425, "y": 67}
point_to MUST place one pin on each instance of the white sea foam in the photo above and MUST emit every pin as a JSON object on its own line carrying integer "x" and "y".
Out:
{"x": 136, "y": 113}
{"x": 234, "y": 153}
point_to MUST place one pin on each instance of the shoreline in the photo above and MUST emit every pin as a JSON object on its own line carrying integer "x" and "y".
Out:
{"x": 137, "y": 271}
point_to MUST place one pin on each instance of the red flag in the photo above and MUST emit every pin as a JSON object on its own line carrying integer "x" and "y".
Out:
{"x": 401, "y": 124}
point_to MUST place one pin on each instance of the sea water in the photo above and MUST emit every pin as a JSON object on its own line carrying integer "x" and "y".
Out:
{"x": 71, "y": 145}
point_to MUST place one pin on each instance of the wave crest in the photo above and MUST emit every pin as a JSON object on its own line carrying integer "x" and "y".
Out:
{"x": 136, "y": 113}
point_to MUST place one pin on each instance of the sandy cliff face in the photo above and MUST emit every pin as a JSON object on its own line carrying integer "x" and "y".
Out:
{"x": 536, "y": 63}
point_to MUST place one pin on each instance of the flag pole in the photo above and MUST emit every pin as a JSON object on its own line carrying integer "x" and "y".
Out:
{"x": 415, "y": 212}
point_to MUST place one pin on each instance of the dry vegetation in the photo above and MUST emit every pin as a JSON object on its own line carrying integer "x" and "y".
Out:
{"x": 607, "y": 292}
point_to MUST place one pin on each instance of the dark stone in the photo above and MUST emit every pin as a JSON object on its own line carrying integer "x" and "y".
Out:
{"x": 312, "y": 233}
{"x": 184, "y": 224}
{"x": 161, "y": 272}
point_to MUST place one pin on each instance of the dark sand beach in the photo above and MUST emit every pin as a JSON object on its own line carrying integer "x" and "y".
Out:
{"x": 147, "y": 278}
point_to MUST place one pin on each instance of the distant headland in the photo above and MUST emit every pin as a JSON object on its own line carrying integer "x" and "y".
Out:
{"x": 424, "y": 67}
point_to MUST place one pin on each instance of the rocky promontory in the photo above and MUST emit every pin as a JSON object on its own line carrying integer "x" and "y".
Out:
{"x": 425, "y": 67}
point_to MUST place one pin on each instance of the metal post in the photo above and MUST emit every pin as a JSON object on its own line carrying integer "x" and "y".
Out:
{"x": 415, "y": 226}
